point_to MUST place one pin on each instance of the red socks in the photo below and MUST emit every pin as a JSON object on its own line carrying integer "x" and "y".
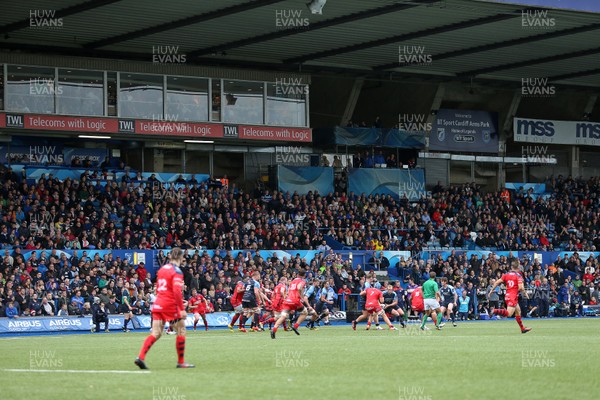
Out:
{"x": 234, "y": 319}
{"x": 180, "y": 346}
{"x": 150, "y": 340}
{"x": 518, "y": 318}
{"x": 501, "y": 311}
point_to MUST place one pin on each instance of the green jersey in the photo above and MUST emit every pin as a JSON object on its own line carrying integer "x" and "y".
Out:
{"x": 430, "y": 288}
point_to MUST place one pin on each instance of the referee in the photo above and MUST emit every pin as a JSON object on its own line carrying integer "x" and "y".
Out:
{"x": 431, "y": 299}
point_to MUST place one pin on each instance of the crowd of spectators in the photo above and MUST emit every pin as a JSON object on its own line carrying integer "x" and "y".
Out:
{"x": 145, "y": 214}
{"x": 56, "y": 284}
{"x": 85, "y": 215}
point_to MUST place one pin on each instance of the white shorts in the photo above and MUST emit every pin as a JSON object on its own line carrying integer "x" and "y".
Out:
{"x": 431, "y": 304}
{"x": 238, "y": 309}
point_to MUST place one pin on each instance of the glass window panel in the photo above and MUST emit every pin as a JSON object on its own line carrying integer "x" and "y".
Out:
{"x": 187, "y": 99}
{"x": 111, "y": 93}
{"x": 216, "y": 100}
{"x": 30, "y": 89}
{"x": 286, "y": 104}
{"x": 243, "y": 102}
{"x": 80, "y": 92}
{"x": 141, "y": 96}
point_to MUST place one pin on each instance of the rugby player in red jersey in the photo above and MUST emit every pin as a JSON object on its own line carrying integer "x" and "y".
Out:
{"x": 277, "y": 298}
{"x": 236, "y": 303}
{"x": 373, "y": 307}
{"x": 514, "y": 283}
{"x": 295, "y": 301}
{"x": 169, "y": 306}
{"x": 198, "y": 305}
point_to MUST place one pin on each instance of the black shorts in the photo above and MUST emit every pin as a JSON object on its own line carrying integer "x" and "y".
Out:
{"x": 446, "y": 303}
{"x": 249, "y": 304}
{"x": 321, "y": 307}
{"x": 123, "y": 309}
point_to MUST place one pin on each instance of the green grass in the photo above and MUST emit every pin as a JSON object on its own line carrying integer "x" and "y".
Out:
{"x": 473, "y": 361}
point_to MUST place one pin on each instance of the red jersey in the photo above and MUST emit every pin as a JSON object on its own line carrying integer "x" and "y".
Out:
{"x": 512, "y": 280}
{"x": 199, "y": 302}
{"x": 416, "y": 299}
{"x": 277, "y": 298}
{"x": 295, "y": 292}
{"x": 238, "y": 294}
{"x": 373, "y": 296}
{"x": 169, "y": 282}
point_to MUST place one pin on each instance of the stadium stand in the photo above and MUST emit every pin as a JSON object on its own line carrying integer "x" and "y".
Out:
{"x": 86, "y": 215}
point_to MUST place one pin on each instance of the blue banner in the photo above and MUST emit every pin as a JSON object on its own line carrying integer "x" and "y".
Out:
{"x": 398, "y": 183}
{"x": 55, "y": 324}
{"x": 218, "y": 319}
{"x": 465, "y": 131}
{"x": 43, "y": 154}
{"x": 403, "y": 139}
{"x": 95, "y": 157}
{"x": 305, "y": 179}
{"x": 538, "y": 188}
{"x": 345, "y": 136}
{"x": 577, "y": 5}
{"x": 134, "y": 257}
{"x": 357, "y": 136}
{"x": 74, "y": 323}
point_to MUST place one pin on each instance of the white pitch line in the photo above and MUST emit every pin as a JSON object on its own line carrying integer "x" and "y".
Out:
{"x": 75, "y": 371}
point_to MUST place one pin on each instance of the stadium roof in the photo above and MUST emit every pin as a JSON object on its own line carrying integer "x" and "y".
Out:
{"x": 463, "y": 39}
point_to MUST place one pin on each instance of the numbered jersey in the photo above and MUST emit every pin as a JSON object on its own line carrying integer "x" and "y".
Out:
{"x": 512, "y": 280}
{"x": 169, "y": 282}
{"x": 296, "y": 287}
{"x": 416, "y": 299}
{"x": 373, "y": 296}
{"x": 249, "y": 294}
